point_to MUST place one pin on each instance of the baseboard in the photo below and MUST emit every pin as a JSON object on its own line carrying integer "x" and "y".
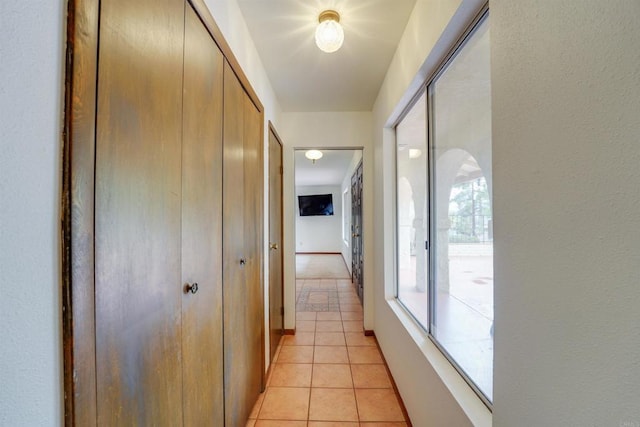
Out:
{"x": 393, "y": 382}
{"x": 265, "y": 379}
{"x": 267, "y": 376}
{"x": 289, "y": 332}
{"x": 348, "y": 266}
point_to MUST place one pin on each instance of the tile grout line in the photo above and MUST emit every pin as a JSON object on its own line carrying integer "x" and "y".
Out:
{"x": 313, "y": 364}
{"x": 353, "y": 383}
{"x": 405, "y": 414}
{"x": 346, "y": 301}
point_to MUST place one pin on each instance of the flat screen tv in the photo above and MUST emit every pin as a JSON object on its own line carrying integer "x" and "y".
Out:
{"x": 316, "y": 205}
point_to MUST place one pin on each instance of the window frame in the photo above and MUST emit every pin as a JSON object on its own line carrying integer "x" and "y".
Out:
{"x": 427, "y": 89}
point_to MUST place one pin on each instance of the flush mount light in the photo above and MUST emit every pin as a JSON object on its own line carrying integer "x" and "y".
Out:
{"x": 329, "y": 34}
{"x": 313, "y": 155}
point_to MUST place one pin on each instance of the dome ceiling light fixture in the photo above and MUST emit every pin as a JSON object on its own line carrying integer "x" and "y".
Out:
{"x": 329, "y": 33}
{"x": 313, "y": 155}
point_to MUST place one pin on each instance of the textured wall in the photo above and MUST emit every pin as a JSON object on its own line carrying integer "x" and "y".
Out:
{"x": 31, "y": 70}
{"x": 566, "y": 123}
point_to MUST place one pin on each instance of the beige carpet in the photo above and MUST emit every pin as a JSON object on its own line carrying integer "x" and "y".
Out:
{"x": 321, "y": 266}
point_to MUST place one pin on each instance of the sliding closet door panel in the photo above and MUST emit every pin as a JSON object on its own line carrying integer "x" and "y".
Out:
{"x": 236, "y": 370}
{"x": 253, "y": 243}
{"x": 137, "y": 213}
{"x": 202, "y": 352}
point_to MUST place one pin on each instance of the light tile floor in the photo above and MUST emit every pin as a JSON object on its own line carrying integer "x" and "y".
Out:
{"x": 329, "y": 373}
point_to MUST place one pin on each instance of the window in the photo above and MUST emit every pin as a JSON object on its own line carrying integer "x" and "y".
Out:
{"x": 412, "y": 214}
{"x": 346, "y": 217}
{"x": 444, "y": 211}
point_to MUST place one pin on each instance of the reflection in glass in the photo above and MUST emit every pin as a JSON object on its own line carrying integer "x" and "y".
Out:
{"x": 412, "y": 219}
{"x": 462, "y": 311}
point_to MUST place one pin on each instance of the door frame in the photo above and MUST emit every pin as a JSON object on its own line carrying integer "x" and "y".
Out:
{"x": 289, "y": 229}
{"x": 77, "y": 199}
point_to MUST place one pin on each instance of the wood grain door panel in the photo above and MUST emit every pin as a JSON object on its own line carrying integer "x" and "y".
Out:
{"x": 142, "y": 215}
{"x": 253, "y": 241}
{"x": 242, "y": 240}
{"x": 202, "y": 346}
{"x": 137, "y": 216}
{"x": 276, "y": 301}
{"x": 234, "y": 257}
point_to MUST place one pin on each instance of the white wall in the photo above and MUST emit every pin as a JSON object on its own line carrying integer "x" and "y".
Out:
{"x": 566, "y": 134}
{"x": 31, "y": 70}
{"x": 319, "y": 233}
{"x": 346, "y": 186}
{"x": 324, "y": 130}
{"x": 433, "y": 392}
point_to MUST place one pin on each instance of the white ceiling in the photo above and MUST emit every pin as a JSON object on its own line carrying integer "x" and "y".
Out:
{"x": 329, "y": 170}
{"x": 307, "y": 79}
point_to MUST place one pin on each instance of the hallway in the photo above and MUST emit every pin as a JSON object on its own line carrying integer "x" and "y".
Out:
{"x": 329, "y": 373}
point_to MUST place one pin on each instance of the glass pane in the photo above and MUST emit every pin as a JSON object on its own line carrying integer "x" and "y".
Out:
{"x": 411, "y": 140}
{"x": 346, "y": 217}
{"x": 462, "y": 320}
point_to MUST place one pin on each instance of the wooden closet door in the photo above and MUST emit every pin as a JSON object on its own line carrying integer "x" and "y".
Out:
{"x": 137, "y": 213}
{"x": 253, "y": 242}
{"x": 202, "y": 352}
{"x": 234, "y": 258}
{"x": 243, "y": 306}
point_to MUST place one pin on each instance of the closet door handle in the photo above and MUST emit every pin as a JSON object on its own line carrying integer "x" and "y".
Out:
{"x": 273, "y": 246}
{"x": 243, "y": 261}
{"x": 191, "y": 288}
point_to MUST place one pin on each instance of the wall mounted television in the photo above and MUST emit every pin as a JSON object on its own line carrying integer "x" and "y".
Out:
{"x": 316, "y": 205}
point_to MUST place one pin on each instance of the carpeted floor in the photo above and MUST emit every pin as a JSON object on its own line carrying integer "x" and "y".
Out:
{"x": 321, "y": 266}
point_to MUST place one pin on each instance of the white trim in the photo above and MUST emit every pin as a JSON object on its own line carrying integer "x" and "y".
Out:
{"x": 473, "y": 407}
{"x": 345, "y": 231}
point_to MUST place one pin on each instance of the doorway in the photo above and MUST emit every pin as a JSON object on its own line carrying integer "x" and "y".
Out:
{"x": 325, "y": 223}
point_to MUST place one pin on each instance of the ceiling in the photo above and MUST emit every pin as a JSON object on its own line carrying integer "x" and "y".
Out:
{"x": 329, "y": 170}
{"x": 306, "y": 79}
